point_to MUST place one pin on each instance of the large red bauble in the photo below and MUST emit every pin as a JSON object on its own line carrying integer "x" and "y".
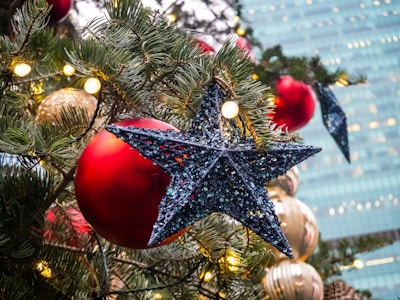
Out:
{"x": 118, "y": 190}
{"x": 295, "y": 103}
{"x": 59, "y": 9}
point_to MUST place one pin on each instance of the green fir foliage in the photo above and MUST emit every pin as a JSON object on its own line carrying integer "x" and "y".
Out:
{"x": 148, "y": 68}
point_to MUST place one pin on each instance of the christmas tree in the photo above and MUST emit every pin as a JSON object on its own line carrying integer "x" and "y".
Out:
{"x": 62, "y": 162}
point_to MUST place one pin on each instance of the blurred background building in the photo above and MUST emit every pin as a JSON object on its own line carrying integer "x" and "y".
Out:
{"x": 361, "y": 198}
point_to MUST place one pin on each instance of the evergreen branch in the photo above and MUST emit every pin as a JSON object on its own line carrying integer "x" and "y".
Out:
{"x": 40, "y": 10}
{"x": 92, "y": 121}
{"x": 105, "y": 266}
{"x": 157, "y": 287}
{"x": 66, "y": 179}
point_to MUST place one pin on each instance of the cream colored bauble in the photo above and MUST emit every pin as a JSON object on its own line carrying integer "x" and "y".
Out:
{"x": 50, "y": 108}
{"x": 298, "y": 223}
{"x": 293, "y": 280}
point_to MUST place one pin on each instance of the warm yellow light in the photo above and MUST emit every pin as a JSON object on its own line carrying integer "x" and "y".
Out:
{"x": 171, "y": 18}
{"x": 373, "y": 124}
{"x": 232, "y": 261}
{"x": 92, "y": 85}
{"x": 222, "y": 294}
{"x": 157, "y": 296}
{"x": 358, "y": 264}
{"x": 391, "y": 121}
{"x": 43, "y": 268}
{"x": 22, "y": 69}
{"x": 230, "y": 109}
{"x": 68, "y": 70}
{"x": 241, "y": 31}
{"x": 254, "y": 76}
{"x": 207, "y": 276}
{"x": 236, "y": 19}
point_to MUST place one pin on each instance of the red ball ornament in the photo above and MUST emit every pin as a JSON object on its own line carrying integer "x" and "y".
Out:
{"x": 118, "y": 190}
{"x": 295, "y": 103}
{"x": 72, "y": 229}
{"x": 244, "y": 45}
{"x": 59, "y": 9}
{"x": 205, "y": 48}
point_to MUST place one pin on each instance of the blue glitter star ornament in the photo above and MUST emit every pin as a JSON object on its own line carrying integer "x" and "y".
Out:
{"x": 334, "y": 118}
{"x": 214, "y": 168}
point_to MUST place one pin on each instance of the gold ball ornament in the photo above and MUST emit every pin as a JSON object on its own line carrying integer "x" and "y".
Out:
{"x": 339, "y": 290}
{"x": 293, "y": 280}
{"x": 50, "y": 108}
{"x": 289, "y": 182}
{"x": 298, "y": 223}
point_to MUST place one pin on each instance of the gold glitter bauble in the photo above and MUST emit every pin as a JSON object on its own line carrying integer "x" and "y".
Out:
{"x": 293, "y": 280}
{"x": 50, "y": 108}
{"x": 298, "y": 223}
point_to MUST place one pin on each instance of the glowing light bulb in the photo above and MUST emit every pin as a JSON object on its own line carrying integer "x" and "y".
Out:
{"x": 68, "y": 70}
{"x": 171, "y": 18}
{"x": 22, "y": 69}
{"x": 241, "y": 31}
{"x": 92, "y": 85}
{"x": 43, "y": 268}
{"x": 254, "y": 76}
{"x": 157, "y": 296}
{"x": 232, "y": 262}
{"x": 230, "y": 109}
{"x": 207, "y": 276}
{"x": 358, "y": 264}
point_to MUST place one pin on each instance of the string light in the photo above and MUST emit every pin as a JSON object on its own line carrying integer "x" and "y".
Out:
{"x": 43, "y": 268}
{"x": 92, "y": 85}
{"x": 68, "y": 70}
{"x": 171, "y": 17}
{"x": 157, "y": 296}
{"x": 22, "y": 69}
{"x": 230, "y": 109}
{"x": 207, "y": 276}
{"x": 241, "y": 31}
{"x": 231, "y": 261}
{"x": 358, "y": 264}
{"x": 254, "y": 76}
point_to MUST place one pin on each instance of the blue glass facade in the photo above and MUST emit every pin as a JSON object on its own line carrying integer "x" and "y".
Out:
{"x": 360, "y": 198}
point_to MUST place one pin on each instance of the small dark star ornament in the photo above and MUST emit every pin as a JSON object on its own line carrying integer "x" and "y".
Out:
{"x": 334, "y": 118}
{"x": 214, "y": 168}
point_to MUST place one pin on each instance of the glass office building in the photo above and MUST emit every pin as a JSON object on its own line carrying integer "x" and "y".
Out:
{"x": 361, "y": 198}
